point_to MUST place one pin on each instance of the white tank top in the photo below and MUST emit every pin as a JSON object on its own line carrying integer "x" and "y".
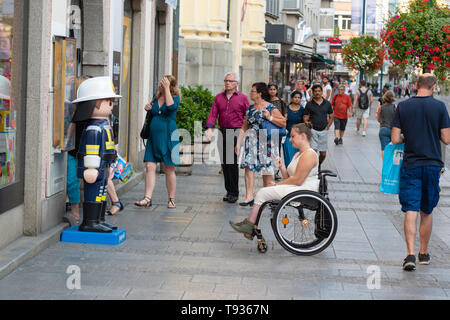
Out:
{"x": 293, "y": 165}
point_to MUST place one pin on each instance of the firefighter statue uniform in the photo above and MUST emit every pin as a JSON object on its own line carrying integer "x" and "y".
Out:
{"x": 96, "y": 154}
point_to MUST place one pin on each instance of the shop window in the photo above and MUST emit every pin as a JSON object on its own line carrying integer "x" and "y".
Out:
{"x": 13, "y": 78}
{"x": 8, "y": 113}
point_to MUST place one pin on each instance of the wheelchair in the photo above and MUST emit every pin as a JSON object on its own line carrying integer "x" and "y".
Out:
{"x": 304, "y": 222}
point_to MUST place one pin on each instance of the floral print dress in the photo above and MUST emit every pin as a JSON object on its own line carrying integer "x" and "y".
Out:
{"x": 259, "y": 151}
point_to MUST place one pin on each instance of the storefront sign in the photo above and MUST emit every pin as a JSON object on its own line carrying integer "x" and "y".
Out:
{"x": 336, "y": 48}
{"x": 279, "y": 33}
{"x": 274, "y": 49}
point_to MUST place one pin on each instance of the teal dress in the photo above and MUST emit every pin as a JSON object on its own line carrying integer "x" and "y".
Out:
{"x": 163, "y": 144}
{"x": 293, "y": 118}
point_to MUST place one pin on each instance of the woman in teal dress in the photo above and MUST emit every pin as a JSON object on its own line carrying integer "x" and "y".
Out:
{"x": 163, "y": 140}
{"x": 294, "y": 116}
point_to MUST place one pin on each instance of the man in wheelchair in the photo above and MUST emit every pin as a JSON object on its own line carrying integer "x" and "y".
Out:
{"x": 301, "y": 174}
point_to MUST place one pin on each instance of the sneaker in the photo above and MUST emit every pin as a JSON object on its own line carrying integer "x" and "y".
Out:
{"x": 341, "y": 141}
{"x": 356, "y": 131}
{"x": 364, "y": 134}
{"x": 245, "y": 227}
{"x": 336, "y": 141}
{"x": 424, "y": 258}
{"x": 409, "y": 264}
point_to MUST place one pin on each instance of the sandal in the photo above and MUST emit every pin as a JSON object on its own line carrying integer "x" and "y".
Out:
{"x": 117, "y": 204}
{"x": 146, "y": 202}
{"x": 171, "y": 204}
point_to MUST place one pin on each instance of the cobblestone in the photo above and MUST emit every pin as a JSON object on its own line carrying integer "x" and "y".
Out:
{"x": 205, "y": 259}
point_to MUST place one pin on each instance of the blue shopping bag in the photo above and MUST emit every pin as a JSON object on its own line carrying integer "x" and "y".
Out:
{"x": 392, "y": 162}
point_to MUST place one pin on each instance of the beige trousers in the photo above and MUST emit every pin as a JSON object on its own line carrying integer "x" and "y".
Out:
{"x": 279, "y": 192}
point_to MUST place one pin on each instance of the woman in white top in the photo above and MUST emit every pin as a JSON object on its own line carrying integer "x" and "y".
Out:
{"x": 300, "y": 175}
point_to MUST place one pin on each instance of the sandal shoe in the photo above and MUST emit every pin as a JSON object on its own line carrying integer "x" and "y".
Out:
{"x": 171, "y": 204}
{"x": 117, "y": 204}
{"x": 147, "y": 202}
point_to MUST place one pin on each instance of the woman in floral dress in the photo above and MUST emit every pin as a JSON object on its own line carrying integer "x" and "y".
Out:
{"x": 259, "y": 151}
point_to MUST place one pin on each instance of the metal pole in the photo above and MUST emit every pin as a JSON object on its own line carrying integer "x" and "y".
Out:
{"x": 381, "y": 81}
{"x": 363, "y": 31}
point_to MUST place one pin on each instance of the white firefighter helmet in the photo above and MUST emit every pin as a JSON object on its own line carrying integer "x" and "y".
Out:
{"x": 5, "y": 88}
{"x": 96, "y": 89}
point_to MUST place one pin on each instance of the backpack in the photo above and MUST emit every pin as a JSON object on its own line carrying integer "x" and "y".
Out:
{"x": 363, "y": 99}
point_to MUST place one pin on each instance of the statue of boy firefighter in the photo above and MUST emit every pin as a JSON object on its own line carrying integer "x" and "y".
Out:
{"x": 95, "y": 101}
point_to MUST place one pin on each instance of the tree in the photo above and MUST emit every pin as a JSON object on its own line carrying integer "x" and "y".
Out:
{"x": 420, "y": 37}
{"x": 364, "y": 52}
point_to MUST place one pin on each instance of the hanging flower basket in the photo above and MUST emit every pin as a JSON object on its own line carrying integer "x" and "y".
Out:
{"x": 420, "y": 38}
{"x": 364, "y": 52}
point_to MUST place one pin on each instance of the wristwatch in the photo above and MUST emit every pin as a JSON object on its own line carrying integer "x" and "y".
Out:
{"x": 271, "y": 117}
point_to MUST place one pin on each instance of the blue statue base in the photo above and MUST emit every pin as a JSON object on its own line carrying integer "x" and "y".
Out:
{"x": 73, "y": 235}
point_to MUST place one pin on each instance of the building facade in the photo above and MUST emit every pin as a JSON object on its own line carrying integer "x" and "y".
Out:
{"x": 343, "y": 24}
{"x": 45, "y": 48}
{"x": 218, "y": 36}
{"x": 293, "y": 37}
{"x": 327, "y": 29}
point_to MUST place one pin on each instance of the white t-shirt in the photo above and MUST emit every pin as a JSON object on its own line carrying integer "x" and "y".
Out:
{"x": 325, "y": 91}
{"x": 353, "y": 87}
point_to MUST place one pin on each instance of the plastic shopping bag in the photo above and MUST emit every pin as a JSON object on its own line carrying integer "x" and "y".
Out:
{"x": 392, "y": 162}
{"x": 122, "y": 169}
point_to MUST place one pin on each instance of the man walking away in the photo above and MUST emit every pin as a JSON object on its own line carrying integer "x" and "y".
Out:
{"x": 318, "y": 114}
{"x": 361, "y": 106}
{"x": 230, "y": 107}
{"x": 424, "y": 122}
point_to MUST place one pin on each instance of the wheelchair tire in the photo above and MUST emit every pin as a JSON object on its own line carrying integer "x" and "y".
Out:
{"x": 307, "y": 213}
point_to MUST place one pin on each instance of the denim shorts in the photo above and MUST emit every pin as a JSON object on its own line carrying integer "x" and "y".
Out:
{"x": 385, "y": 137}
{"x": 419, "y": 188}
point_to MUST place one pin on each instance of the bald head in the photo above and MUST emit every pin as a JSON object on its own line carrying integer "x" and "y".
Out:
{"x": 426, "y": 81}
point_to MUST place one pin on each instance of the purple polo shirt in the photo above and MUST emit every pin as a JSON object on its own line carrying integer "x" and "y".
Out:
{"x": 231, "y": 112}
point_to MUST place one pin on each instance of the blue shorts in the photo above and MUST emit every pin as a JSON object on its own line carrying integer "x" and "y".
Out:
{"x": 385, "y": 137}
{"x": 419, "y": 188}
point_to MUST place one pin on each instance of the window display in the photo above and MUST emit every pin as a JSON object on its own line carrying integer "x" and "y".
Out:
{"x": 7, "y": 109}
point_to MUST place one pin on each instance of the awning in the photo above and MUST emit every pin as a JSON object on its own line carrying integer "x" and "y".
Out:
{"x": 320, "y": 58}
{"x": 302, "y": 49}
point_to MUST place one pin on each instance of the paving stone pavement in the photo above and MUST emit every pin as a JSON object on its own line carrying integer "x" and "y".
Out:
{"x": 191, "y": 252}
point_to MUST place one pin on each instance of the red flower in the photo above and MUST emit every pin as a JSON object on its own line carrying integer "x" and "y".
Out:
{"x": 435, "y": 58}
{"x": 447, "y": 65}
{"x": 417, "y": 37}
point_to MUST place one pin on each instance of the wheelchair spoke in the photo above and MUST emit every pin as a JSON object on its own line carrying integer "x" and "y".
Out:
{"x": 304, "y": 224}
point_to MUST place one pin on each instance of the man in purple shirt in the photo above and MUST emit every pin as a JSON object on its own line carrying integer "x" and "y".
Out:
{"x": 230, "y": 107}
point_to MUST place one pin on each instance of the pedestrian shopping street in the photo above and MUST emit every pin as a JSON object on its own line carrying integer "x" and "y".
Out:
{"x": 192, "y": 253}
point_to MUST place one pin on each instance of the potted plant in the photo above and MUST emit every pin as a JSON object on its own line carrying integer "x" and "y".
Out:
{"x": 192, "y": 114}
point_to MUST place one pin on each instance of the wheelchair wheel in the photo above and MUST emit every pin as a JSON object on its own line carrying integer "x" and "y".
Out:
{"x": 304, "y": 223}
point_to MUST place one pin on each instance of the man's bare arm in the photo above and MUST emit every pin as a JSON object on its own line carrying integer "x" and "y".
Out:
{"x": 396, "y": 136}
